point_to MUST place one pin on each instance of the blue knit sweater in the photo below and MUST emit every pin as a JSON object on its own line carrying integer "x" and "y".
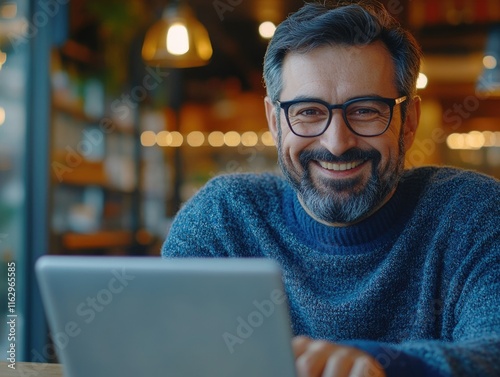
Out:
{"x": 417, "y": 285}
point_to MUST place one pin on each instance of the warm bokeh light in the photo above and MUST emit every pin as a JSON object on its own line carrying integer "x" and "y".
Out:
{"x": 163, "y": 139}
{"x": 455, "y": 141}
{"x": 422, "y": 81}
{"x": 3, "y": 58}
{"x": 177, "y": 139}
{"x": 491, "y": 139}
{"x": 216, "y": 139}
{"x": 2, "y": 116}
{"x": 473, "y": 140}
{"x": 267, "y": 29}
{"x": 198, "y": 139}
{"x": 489, "y": 62}
{"x": 148, "y": 138}
{"x": 249, "y": 139}
{"x": 195, "y": 139}
{"x": 232, "y": 139}
{"x": 177, "y": 39}
{"x": 267, "y": 139}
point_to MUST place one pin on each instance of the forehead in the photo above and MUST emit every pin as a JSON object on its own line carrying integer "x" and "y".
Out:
{"x": 337, "y": 73}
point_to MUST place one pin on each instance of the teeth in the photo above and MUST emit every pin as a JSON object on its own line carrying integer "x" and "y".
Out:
{"x": 340, "y": 167}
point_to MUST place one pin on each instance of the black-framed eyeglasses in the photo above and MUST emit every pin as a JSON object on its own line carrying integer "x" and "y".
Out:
{"x": 364, "y": 116}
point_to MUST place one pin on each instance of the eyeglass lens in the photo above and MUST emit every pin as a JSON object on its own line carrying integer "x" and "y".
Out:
{"x": 367, "y": 117}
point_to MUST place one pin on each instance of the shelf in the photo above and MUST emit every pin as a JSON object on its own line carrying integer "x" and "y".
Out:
{"x": 94, "y": 167}
{"x": 98, "y": 240}
{"x": 77, "y": 172}
{"x": 80, "y": 53}
{"x": 107, "y": 123}
{"x": 73, "y": 108}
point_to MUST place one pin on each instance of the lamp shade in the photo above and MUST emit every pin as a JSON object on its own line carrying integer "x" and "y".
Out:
{"x": 489, "y": 81}
{"x": 177, "y": 40}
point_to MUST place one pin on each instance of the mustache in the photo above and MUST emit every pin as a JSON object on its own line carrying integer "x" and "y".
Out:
{"x": 352, "y": 154}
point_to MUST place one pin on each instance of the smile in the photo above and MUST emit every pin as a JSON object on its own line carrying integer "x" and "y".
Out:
{"x": 340, "y": 167}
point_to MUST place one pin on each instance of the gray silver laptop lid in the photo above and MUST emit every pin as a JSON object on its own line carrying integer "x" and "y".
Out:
{"x": 132, "y": 316}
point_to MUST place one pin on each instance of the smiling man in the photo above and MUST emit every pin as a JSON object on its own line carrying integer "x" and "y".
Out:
{"x": 346, "y": 162}
{"x": 388, "y": 272}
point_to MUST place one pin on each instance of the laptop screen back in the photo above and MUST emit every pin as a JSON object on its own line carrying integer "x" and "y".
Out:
{"x": 132, "y": 316}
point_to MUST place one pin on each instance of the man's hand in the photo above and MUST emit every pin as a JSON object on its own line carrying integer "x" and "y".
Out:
{"x": 319, "y": 358}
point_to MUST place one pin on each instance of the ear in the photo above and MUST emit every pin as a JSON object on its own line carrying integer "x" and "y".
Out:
{"x": 411, "y": 122}
{"x": 272, "y": 122}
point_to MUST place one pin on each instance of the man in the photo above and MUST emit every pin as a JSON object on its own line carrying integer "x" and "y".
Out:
{"x": 388, "y": 272}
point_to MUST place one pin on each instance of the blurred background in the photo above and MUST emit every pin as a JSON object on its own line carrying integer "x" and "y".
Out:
{"x": 104, "y": 133}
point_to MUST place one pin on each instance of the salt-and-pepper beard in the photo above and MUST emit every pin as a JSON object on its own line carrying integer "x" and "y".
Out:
{"x": 354, "y": 204}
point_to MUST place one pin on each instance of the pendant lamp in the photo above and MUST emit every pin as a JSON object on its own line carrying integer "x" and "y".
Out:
{"x": 177, "y": 40}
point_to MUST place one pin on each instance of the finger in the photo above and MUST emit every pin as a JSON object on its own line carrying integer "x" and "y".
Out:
{"x": 312, "y": 362}
{"x": 365, "y": 366}
{"x": 339, "y": 364}
{"x": 300, "y": 344}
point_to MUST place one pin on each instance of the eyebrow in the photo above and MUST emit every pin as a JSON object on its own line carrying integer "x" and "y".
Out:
{"x": 307, "y": 98}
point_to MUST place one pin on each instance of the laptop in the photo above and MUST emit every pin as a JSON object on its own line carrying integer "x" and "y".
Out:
{"x": 147, "y": 316}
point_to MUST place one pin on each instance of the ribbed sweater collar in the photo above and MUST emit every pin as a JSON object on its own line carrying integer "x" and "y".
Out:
{"x": 358, "y": 238}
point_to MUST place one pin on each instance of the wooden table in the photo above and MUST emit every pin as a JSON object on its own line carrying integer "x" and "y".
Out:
{"x": 31, "y": 370}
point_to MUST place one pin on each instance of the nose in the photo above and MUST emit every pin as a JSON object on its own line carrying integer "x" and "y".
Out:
{"x": 338, "y": 138}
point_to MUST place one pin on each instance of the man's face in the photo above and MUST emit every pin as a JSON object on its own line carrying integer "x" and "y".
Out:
{"x": 342, "y": 178}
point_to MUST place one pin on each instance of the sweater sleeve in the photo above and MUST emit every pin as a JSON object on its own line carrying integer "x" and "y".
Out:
{"x": 395, "y": 362}
{"x": 473, "y": 349}
{"x": 478, "y": 357}
{"x": 469, "y": 312}
{"x": 215, "y": 222}
{"x": 196, "y": 229}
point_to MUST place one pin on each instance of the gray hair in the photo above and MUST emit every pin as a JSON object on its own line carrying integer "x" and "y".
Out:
{"x": 361, "y": 23}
